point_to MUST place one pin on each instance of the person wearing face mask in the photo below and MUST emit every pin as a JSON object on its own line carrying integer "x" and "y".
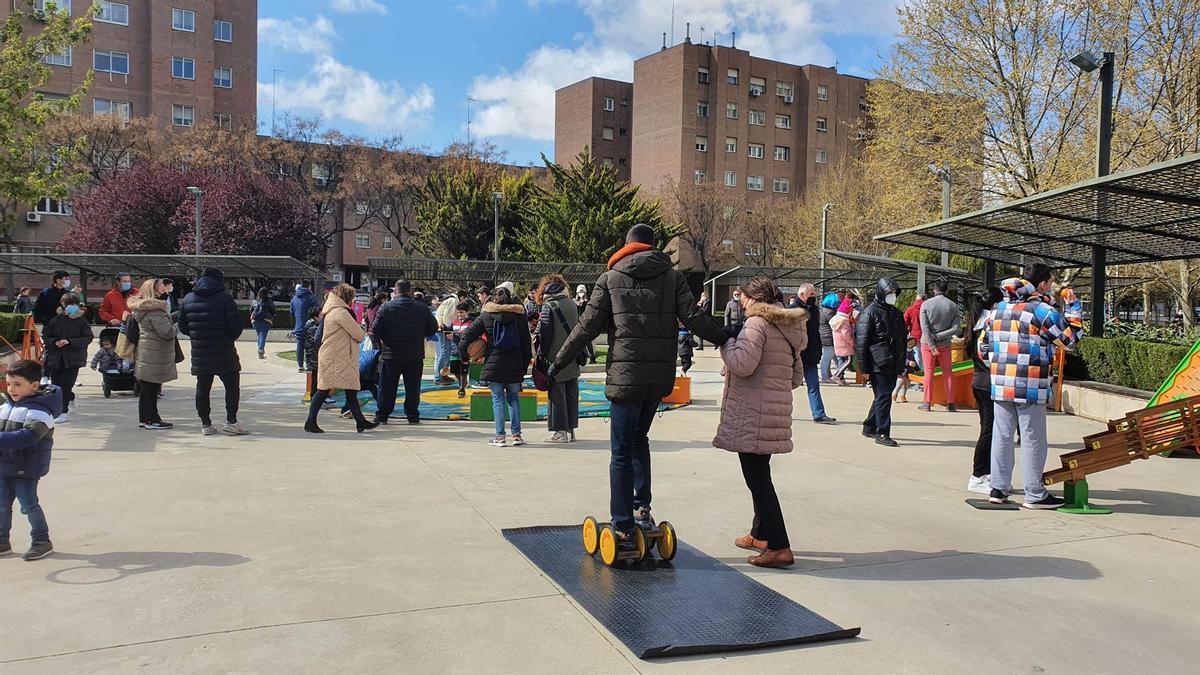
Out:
{"x": 66, "y": 338}
{"x": 50, "y": 299}
{"x": 880, "y": 343}
{"x": 115, "y": 307}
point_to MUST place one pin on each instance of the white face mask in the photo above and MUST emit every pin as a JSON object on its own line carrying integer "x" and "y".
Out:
{"x": 67, "y": 284}
{"x": 890, "y": 299}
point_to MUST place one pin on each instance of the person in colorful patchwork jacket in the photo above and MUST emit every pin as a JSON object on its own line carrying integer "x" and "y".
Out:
{"x": 1018, "y": 343}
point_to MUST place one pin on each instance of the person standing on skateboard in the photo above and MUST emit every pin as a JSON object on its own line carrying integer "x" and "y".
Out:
{"x": 640, "y": 302}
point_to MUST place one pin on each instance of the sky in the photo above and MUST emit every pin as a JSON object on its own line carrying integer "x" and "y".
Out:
{"x": 380, "y": 68}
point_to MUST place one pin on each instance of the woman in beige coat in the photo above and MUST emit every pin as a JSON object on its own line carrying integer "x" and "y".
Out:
{"x": 341, "y": 340}
{"x": 155, "y": 351}
{"x": 762, "y": 367}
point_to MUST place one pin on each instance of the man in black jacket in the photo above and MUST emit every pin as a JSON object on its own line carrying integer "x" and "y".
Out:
{"x": 50, "y": 299}
{"x": 640, "y": 301}
{"x": 880, "y": 342}
{"x": 209, "y": 316}
{"x": 806, "y": 297}
{"x": 399, "y": 332}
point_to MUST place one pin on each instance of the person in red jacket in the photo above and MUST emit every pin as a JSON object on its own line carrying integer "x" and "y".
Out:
{"x": 113, "y": 309}
{"x": 912, "y": 318}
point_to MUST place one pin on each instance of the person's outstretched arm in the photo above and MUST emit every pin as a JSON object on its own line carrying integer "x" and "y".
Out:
{"x": 595, "y": 319}
{"x": 694, "y": 317}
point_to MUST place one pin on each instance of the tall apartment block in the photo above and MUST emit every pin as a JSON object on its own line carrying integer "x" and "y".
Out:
{"x": 595, "y": 113}
{"x": 185, "y": 62}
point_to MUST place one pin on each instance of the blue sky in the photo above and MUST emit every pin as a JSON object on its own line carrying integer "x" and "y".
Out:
{"x": 384, "y": 67}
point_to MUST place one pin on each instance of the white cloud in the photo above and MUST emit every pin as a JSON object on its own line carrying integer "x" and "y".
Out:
{"x": 334, "y": 89}
{"x": 521, "y": 103}
{"x": 351, "y": 6}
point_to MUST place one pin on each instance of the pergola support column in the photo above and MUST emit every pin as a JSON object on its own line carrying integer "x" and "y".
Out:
{"x": 1099, "y": 256}
{"x": 920, "y": 278}
{"x": 989, "y": 273}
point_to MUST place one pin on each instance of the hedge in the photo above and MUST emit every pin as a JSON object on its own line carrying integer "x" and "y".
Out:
{"x": 1124, "y": 362}
{"x": 11, "y": 326}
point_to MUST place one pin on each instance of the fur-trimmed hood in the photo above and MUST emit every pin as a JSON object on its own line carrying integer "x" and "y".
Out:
{"x": 139, "y": 304}
{"x": 778, "y": 315}
{"x": 493, "y": 308}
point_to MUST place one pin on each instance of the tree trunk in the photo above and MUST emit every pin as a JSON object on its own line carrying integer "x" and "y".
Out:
{"x": 1185, "y": 295}
{"x": 1146, "y": 307}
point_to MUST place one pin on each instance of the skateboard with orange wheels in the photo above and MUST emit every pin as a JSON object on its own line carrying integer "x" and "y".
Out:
{"x": 603, "y": 539}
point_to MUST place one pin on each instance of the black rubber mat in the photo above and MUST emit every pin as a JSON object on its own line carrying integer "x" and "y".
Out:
{"x": 694, "y": 604}
{"x": 985, "y": 505}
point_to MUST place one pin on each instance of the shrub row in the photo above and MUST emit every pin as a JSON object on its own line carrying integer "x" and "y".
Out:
{"x": 1123, "y": 362}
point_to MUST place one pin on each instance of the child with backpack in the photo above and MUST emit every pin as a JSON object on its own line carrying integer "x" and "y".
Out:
{"x": 510, "y": 349}
{"x": 27, "y": 415}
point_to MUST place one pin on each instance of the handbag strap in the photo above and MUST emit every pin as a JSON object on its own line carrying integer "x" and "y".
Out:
{"x": 561, "y": 319}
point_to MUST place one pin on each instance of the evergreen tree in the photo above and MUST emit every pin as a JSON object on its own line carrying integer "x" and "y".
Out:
{"x": 455, "y": 210}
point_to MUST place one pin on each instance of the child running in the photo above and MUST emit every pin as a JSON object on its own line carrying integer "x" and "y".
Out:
{"x": 27, "y": 415}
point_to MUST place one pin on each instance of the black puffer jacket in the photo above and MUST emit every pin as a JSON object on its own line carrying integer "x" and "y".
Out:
{"x": 209, "y": 316}
{"x": 640, "y": 301}
{"x": 76, "y": 331}
{"x": 826, "y": 332}
{"x": 881, "y": 338}
{"x": 812, "y": 352}
{"x": 504, "y": 367}
{"x": 400, "y": 329}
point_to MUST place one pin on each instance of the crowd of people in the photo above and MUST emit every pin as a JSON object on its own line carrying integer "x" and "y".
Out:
{"x": 768, "y": 348}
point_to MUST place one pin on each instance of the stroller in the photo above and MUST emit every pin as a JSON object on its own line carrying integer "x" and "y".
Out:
{"x": 121, "y": 379}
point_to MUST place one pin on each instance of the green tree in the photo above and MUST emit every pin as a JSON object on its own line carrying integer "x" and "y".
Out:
{"x": 455, "y": 212}
{"x": 584, "y": 214}
{"x": 29, "y": 171}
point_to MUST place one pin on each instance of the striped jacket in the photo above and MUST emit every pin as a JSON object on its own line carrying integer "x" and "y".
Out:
{"x": 1019, "y": 340}
{"x": 27, "y": 432}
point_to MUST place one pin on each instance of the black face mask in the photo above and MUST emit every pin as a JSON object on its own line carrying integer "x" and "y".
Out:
{"x": 811, "y": 302}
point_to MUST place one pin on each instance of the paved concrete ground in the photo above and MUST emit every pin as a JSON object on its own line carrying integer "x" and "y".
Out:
{"x": 286, "y": 552}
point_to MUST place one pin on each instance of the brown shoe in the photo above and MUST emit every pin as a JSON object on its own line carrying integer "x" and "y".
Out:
{"x": 749, "y": 543}
{"x": 780, "y": 557}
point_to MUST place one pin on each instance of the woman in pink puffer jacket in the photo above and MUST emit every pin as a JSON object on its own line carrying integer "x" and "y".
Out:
{"x": 762, "y": 367}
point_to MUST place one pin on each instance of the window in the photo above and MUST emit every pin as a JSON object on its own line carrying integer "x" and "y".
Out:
{"x": 621, "y": 161}
{"x": 223, "y": 77}
{"x": 608, "y": 161}
{"x": 387, "y": 243}
{"x": 606, "y": 133}
{"x": 183, "y": 19}
{"x": 118, "y": 109}
{"x": 361, "y": 208}
{"x": 624, "y": 132}
{"x": 223, "y": 121}
{"x": 783, "y": 121}
{"x": 183, "y": 115}
{"x": 113, "y": 12}
{"x": 386, "y": 210}
{"x": 732, "y": 76}
{"x": 701, "y": 108}
{"x": 183, "y": 68}
{"x": 821, "y": 156}
{"x": 754, "y": 249}
{"x": 731, "y": 178}
{"x": 702, "y": 75}
{"x": 110, "y": 62}
{"x": 702, "y": 144}
{"x": 730, "y": 144}
{"x": 822, "y": 124}
{"x": 362, "y": 240}
{"x": 862, "y": 104}
{"x": 783, "y": 153}
{"x": 822, "y": 92}
{"x": 755, "y": 150}
{"x": 53, "y": 207}
{"x": 40, "y": 5}
{"x": 783, "y": 89}
{"x": 609, "y": 104}
{"x": 320, "y": 175}
{"x": 700, "y": 176}
{"x": 754, "y": 183}
{"x": 758, "y": 118}
{"x": 624, "y": 103}
{"x": 758, "y": 86}
{"x": 781, "y": 186}
{"x": 62, "y": 59}
{"x": 727, "y": 245}
{"x": 222, "y": 31}
{"x": 731, "y": 111}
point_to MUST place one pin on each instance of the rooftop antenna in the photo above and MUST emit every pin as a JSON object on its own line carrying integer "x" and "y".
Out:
{"x": 664, "y": 41}
{"x": 688, "y": 35}
{"x": 733, "y": 40}
{"x": 672, "y": 23}
{"x": 702, "y": 36}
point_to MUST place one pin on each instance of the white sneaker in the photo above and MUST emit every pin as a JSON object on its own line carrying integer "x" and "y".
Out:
{"x": 234, "y": 428}
{"x": 980, "y": 484}
{"x": 208, "y": 430}
{"x": 558, "y": 437}
{"x": 62, "y": 419}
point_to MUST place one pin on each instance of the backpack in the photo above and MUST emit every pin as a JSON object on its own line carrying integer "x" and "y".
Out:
{"x": 504, "y": 336}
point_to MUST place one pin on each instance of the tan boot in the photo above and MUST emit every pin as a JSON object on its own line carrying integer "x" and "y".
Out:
{"x": 749, "y": 543}
{"x": 780, "y": 557}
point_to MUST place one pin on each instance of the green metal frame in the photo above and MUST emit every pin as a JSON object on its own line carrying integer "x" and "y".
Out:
{"x": 1076, "y": 494}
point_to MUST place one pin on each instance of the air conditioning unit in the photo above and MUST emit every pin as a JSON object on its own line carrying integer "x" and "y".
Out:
{"x": 789, "y": 98}
{"x": 33, "y": 217}
{"x": 755, "y": 91}
{"x": 322, "y": 182}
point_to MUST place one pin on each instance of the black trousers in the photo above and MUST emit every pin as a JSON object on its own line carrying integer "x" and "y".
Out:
{"x": 986, "y": 408}
{"x": 879, "y": 418}
{"x": 148, "y": 402}
{"x": 389, "y": 381}
{"x": 562, "y": 406}
{"x": 233, "y": 394}
{"x": 64, "y": 378}
{"x": 768, "y": 517}
{"x": 322, "y": 395}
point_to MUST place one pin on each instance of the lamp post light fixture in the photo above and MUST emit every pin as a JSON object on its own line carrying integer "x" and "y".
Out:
{"x": 198, "y": 194}
{"x": 497, "y": 197}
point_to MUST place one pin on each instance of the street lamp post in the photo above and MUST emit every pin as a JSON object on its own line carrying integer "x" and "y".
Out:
{"x": 496, "y": 197}
{"x": 198, "y": 194}
{"x": 943, "y": 172}
{"x": 1087, "y": 62}
{"x": 824, "y": 234}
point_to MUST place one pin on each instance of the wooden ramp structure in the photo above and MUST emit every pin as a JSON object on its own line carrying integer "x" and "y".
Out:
{"x": 1158, "y": 429}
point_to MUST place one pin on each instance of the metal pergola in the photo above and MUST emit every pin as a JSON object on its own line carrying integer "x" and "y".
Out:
{"x": 1151, "y": 214}
{"x": 450, "y": 271}
{"x": 910, "y": 272}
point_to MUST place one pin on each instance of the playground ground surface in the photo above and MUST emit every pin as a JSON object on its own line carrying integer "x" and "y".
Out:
{"x": 287, "y": 552}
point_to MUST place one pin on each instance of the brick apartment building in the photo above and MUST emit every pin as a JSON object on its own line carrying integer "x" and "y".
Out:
{"x": 185, "y": 62}
{"x": 715, "y": 114}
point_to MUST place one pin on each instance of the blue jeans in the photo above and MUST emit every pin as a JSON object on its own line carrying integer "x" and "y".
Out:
{"x": 629, "y": 468}
{"x": 826, "y": 362}
{"x": 814, "y": 392}
{"x": 506, "y": 395}
{"x": 442, "y": 360}
{"x": 261, "y": 331}
{"x": 300, "y": 342}
{"x": 23, "y": 490}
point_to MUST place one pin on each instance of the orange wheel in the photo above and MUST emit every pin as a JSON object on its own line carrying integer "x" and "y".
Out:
{"x": 591, "y": 536}
{"x": 668, "y": 544}
{"x": 608, "y": 545}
